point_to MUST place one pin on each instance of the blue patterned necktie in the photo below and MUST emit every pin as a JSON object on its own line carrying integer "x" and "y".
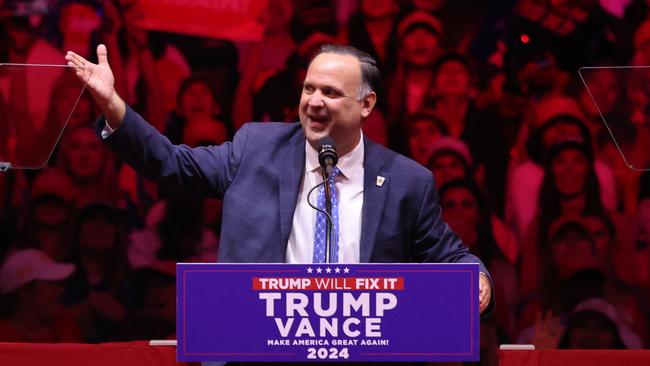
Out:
{"x": 321, "y": 224}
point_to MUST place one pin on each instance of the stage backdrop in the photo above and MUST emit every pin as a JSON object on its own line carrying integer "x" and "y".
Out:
{"x": 228, "y": 19}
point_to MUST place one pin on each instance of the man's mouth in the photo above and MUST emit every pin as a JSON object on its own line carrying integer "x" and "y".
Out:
{"x": 319, "y": 120}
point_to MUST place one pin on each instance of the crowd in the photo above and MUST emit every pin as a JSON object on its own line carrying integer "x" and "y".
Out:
{"x": 486, "y": 94}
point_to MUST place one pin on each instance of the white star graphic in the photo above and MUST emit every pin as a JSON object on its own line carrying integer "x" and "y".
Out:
{"x": 346, "y": 270}
{"x": 319, "y": 270}
{"x": 328, "y": 270}
{"x": 337, "y": 270}
{"x": 310, "y": 270}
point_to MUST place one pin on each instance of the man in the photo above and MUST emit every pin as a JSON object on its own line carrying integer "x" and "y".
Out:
{"x": 390, "y": 211}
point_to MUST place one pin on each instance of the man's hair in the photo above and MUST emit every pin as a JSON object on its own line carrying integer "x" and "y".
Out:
{"x": 370, "y": 75}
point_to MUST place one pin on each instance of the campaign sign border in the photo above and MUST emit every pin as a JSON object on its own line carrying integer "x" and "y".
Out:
{"x": 434, "y": 315}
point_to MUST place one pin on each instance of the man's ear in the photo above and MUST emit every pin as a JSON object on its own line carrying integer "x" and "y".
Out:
{"x": 368, "y": 104}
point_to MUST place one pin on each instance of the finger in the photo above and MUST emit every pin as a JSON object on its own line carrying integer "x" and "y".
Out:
{"x": 70, "y": 54}
{"x": 102, "y": 55}
{"x": 484, "y": 284}
{"x": 548, "y": 322}
{"x": 78, "y": 65}
{"x": 556, "y": 326}
{"x": 540, "y": 323}
{"x": 76, "y": 59}
{"x": 545, "y": 321}
{"x": 481, "y": 303}
{"x": 74, "y": 56}
{"x": 78, "y": 71}
{"x": 71, "y": 59}
{"x": 484, "y": 304}
{"x": 549, "y": 316}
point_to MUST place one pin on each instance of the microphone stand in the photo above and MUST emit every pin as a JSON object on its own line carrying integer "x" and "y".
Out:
{"x": 327, "y": 172}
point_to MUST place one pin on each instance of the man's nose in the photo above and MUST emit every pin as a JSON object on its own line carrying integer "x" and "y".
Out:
{"x": 316, "y": 100}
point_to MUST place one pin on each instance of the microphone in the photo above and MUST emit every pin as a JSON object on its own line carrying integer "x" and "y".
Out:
{"x": 327, "y": 156}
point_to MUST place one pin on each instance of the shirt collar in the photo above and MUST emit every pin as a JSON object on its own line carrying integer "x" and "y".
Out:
{"x": 349, "y": 164}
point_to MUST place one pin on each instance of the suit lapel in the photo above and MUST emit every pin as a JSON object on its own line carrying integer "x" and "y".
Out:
{"x": 290, "y": 176}
{"x": 374, "y": 197}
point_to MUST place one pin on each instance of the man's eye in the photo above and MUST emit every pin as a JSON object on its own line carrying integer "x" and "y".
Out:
{"x": 331, "y": 93}
{"x": 308, "y": 89}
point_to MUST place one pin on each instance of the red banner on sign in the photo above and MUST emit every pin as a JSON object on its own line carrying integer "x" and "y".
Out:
{"x": 328, "y": 283}
{"x": 235, "y": 20}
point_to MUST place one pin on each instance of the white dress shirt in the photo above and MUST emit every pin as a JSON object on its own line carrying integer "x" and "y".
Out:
{"x": 349, "y": 187}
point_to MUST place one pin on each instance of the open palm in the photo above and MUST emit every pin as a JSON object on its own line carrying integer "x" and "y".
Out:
{"x": 97, "y": 77}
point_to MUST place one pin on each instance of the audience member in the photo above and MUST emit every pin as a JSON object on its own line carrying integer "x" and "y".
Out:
{"x": 31, "y": 284}
{"x": 90, "y": 166}
{"x": 99, "y": 288}
{"x": 50, "y": 215}
{"x": 487, "y": 96}
{"x": 196, "y": 103}
{"x": 424, "y": 129}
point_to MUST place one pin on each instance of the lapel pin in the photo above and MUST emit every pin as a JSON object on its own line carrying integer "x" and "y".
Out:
{"x": 380, "y": 180}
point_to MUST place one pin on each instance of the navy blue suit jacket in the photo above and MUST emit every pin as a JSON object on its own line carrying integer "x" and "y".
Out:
{"x": 258, "y": 175}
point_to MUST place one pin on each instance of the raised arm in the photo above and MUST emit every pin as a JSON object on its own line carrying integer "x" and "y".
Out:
{"x": 206, "y": 171}
{"x": 100, "y": 82}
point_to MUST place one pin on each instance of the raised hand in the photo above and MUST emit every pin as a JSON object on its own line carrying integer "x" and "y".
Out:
{"x": 548, "y": 331}
{"x": 100, "y": 82}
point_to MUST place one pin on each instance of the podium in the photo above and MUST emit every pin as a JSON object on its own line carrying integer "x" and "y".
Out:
{"x": 328, "y": 312}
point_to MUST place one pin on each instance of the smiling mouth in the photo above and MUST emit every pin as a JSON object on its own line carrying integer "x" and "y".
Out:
{"x": 318, "y": 121}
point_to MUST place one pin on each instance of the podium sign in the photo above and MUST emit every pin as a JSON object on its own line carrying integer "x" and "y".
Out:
{"x": 328, "y": 312}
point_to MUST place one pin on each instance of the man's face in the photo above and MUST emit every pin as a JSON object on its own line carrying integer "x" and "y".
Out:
{"x": 85, "y": 154}
{"x": 66, "y": 98}
{"x": 197, "y": 102}
{"x": 603, "y": 85}
{"x": 328, "y": 103}
{"x": 18, "y": 30}
{"x": 572, "y": 254}
{"x": 569, "y": 170}
{"x": 97, "y": 234}
{"x": 422, "y": 134}
{"x": 447, "y": 167}
{"x": 420, "y": 47}
{"x": 453, "y": 79}
{"x": 601, "y": 235}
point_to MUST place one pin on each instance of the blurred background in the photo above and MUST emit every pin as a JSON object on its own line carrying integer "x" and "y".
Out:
{"x": 539, "y": 167}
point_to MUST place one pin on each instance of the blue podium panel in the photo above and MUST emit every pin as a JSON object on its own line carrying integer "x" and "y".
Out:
{"x": 331, "y": 312}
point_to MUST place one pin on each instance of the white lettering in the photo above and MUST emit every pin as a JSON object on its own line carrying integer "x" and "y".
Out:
{"x": 270, "y": 298}
{"x": 297, "y": 302}
{"x": 385, "y": 301}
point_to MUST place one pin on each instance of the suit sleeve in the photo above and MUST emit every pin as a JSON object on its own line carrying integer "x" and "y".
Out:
{"x": 434, "y": 240}
{"x": 206, "y": 171}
